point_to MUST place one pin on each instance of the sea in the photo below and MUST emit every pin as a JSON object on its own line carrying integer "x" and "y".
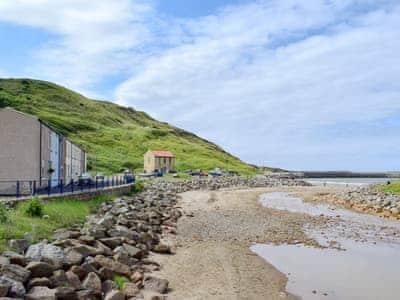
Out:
{"x": 349, "y": 181}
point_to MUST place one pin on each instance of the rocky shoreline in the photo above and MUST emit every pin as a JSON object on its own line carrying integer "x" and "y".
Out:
{"x": 364, "y": 199}
{"x": 82, "y": 262}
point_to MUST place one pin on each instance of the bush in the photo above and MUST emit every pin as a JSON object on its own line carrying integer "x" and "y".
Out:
{"x": 4, "y": 217}
{"x": 137, "y": 187}
{"x": 34, "y": 207}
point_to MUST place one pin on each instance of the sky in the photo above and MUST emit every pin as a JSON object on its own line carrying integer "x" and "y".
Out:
{"x": 301, "y": 85}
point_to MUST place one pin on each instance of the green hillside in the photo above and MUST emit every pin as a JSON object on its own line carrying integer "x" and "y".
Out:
{"x": 115, "y": 137}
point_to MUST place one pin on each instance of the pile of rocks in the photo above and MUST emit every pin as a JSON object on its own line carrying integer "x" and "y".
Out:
{"x": 228, "y": 182}
{"x": 82, "y": 262}
{"x": 367, "y": 200}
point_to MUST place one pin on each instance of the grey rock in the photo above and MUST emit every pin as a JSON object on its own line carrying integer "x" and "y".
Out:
{"x": 40, "y": 269}
{"x": 114, "y": 295}
{"x": 4, "y": 261}
{"x": 108, "y": 285}
{"x": 16, "y": 290}
{"x": 15, "y": 272}
{"x": 39, "y": 282}
{"x": 73, "y": 280}
{"x": 59, "y": 278}
{"x": 4, "y": 288}
{"x": 92, "y": 282}
{"x": 112, "y": 242}
{"x": 46, "y": 252}
{"x": 41, "y": 293}
{"x": 133, "y": 251}
{"x": 19, "y": 245}
{"x": 130, "y": 289}
{"x": 156, "y": 284}
{"x": 15, "y": 258}
{"x": 66, "y": 293}
{"x": 73, "y": 257}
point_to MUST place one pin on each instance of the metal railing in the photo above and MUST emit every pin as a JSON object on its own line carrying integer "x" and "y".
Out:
{"x": 22, "y": 188}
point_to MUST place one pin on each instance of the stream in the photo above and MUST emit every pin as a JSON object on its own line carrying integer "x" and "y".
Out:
{"x": 363, "y": 261}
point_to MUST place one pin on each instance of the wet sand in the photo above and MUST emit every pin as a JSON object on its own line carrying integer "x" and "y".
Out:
{"x": 213, "y": 259}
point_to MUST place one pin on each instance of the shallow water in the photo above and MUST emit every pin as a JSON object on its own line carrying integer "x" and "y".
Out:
{"x": 369, "y": 268}
{"x": 348, "y": 181}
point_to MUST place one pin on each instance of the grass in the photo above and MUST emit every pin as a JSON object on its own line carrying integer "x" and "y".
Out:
{"x": 393, "y": 188}
{"x": 61, "y": 213}
{"x": 115, "y": 137}
{"x": 120, "y": 281}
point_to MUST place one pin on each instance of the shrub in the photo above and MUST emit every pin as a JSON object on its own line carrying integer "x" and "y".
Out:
{"x": 34, "y": 207}
{"x": 137, "y": 187}
{"x": 4, "y": 217}
{"x": 120, "y": 281}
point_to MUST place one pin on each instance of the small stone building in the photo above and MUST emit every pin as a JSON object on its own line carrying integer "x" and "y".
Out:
{"x": 31, "y": 150}
{"x": 159, "y": 160}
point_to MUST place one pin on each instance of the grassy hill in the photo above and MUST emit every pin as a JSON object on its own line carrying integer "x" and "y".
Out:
{"x": 115, "y": 137}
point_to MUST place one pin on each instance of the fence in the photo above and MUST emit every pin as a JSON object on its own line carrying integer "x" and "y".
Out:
{"x": 20, "y": 188}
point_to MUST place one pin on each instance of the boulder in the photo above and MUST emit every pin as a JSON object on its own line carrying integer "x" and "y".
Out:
{"x": 114, "y": 295}
{"x": 108, "y": 285}
{"x": 66, "y": 293}
{"x": 39, "y": 282}
{"x": 162, "y": 248}
{"x": 133, "y": 251}
{"x": 92, "y": 282}
{"x": 16, "y": 288}
{"x": 40, "y": 269}
{"x": 15, "y": 272}
{"x": 112, "y": 242}
{"x": 41, "y": 293}
{"x": 113, "y": 265}
{"x": 155, "y": 284}
{"x": 73, "y": 280}
{"x": 46, "y": 252}
{"x": 79, "y": 271}
{"x": 19, "y": 245}
{"x": 59, "y": 278}
{"x": 73, "y": 257}
{"x": 130, "y": 289}
{"x": 15, "y": 258}
{"x": 4, "y": 288}
{"x": 88, "y": 295}
{"x": 4, "y": 261}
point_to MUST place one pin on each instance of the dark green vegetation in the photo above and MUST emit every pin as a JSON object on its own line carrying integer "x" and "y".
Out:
{"x": 34, "y": 207}
{"x": 393, "y": 187}
{"x": 137, "y": 187}
{"x": 61, "y": 213}
{"x": 115, "y": 137}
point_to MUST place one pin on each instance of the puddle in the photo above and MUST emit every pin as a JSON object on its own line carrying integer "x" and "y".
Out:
{"x": 368, "y": 269}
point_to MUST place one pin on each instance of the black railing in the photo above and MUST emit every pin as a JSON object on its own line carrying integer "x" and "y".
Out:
{"x": 22, "y": 188}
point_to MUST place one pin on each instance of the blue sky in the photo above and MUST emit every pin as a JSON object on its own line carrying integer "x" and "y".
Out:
{"x": 288, "y": 83}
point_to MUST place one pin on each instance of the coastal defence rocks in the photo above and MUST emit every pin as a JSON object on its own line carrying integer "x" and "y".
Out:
{"x": 83, "y": 261}
{"x": 366, "y": 200}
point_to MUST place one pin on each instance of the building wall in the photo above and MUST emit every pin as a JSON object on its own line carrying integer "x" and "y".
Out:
{"x": 152, "y": 162}
{"x": 149, "y": 162}
{"x": 19, "y": 146}
{"x": 75, "y": 161}
{"x": 29, "y": 148}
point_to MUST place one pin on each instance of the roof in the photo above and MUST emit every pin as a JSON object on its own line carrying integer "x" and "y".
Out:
{"x": 162, "y": 153}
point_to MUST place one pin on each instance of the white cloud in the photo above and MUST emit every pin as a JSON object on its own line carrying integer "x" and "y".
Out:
{"x": 92, "y": 38}
{"x": 276, "y": 82}
{"x": 263, "y": 79}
